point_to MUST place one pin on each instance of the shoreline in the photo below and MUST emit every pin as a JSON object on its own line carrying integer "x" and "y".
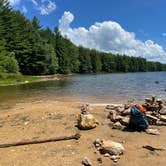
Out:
{"x": 42, "y": 120}
{"x": 32, "y": 79}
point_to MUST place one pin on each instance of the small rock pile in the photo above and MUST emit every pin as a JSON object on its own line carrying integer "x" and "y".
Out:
{"x": 120, "y": 115}
{"x": 86, "y": 120}
{"x": 156, "y": 111}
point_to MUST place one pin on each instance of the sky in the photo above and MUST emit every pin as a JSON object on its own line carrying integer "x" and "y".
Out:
{"x": 131, "y": 27}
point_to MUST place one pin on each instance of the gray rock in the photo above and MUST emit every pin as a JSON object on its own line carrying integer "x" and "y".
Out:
{"x": 86, "y": 161}
{"x": 115, "y": 158}
{"x": 126, "y": 112}
{"x": 162, "y": 111}
{"x": 111, "y": 147}
{"x": 118, "y": 126}
{"x": 97, "y": 142}
{"x": 153, "y": 131}
{"x": 160, "y": 123}
{"x": 125, "y": 121}
{"x": 152, "y": 119}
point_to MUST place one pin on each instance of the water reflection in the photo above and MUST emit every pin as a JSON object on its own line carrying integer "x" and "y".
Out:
{"x": 101, "y": 86}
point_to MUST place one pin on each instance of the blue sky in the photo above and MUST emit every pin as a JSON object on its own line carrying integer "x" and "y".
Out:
{"x": 133, "y": 27}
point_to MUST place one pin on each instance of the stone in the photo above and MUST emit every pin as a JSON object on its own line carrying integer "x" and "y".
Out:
{"x": 148, "y": 100}
{"x": 99, "y": 160}
{"x": 119, "y": 110}
{"x": 106, "y": 155}
{"x": 114, "y": 117}
{"x": 152, "y": 119}
{"x": 160, "y": 123}
{"x": 163, "y": 118}
{"x": 118, "y": 126}
{"x": 125, "y": 121}
{"x": 115, "y": 158}
{"x": 159, "y": 101}
{"x": 111, "y": 147}
{"x": 126, "y": 112}
{"x": 86, "y": 161}
{"x": 162, "y": 111}
{"x": 87, "y": 121}
{"x": 153, "y": 131}
{"x": 154, "y": 108}
{"x": 98, "y": 142}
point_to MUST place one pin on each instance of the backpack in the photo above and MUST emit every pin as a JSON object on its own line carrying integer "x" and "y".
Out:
{"x": 138, "y": 120}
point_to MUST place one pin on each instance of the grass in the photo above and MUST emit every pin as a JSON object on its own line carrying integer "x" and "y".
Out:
{"x": 14, "y": 79}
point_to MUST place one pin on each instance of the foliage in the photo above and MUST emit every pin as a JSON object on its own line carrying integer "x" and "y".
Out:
{"x": 28, "y": 48}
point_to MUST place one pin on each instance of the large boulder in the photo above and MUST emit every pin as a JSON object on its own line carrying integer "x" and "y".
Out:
{"x": 111, "y": 147}
{"x": 87, "y": 121}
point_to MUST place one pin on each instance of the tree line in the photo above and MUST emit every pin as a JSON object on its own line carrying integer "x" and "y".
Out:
{"x": 27, "y": 48}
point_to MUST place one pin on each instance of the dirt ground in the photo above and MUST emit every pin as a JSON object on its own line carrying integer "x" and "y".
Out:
{"x": 53, "y": 119}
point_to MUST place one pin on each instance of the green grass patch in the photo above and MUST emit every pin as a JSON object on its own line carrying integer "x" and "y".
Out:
{"x": 14, "y": 79}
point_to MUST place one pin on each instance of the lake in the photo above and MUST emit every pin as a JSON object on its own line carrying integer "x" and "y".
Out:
{"x": 97, "y": 87}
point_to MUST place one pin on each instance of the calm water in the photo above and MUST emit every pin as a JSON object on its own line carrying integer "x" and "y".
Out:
{"x": 113, "y": 87}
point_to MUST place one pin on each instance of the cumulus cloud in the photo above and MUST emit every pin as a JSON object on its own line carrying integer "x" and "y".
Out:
{"x": 14, "y": 2}
{"x": 44, "y": 6}
{"x": 109, "y": 36}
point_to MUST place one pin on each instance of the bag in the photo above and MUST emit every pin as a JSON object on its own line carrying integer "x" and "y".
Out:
{"x": 138, "y": 120}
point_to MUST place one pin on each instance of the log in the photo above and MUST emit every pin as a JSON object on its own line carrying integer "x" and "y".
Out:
{"x": 40, "y": 141}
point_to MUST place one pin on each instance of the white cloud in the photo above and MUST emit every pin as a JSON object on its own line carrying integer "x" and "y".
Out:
{"x": 14, "y": 2}
{"x": 109, "y": 36}
{"x": 24, "y": 9}
{"x": 44, "y": 6}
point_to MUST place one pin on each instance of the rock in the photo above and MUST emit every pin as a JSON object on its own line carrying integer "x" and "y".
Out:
{"x": 111, "y": 147}
{"x": 106, "y": 155}
{"x": 154, "y": 108}
{"x": 157, "y": 82}
{"x": 99, "y": 160}
{"x": 152, "y": 119}
{"x": 152, "y": 131}
{"x": 87, "y": 121}
{"x": 159, "y": 101}
{"x": 86, "y": 161}
{"x": 163, "y": 118}
{"x": 160, "y": 123}
{"x": 118, "y": 126}
{"x": 114, "y": 117}
{"x": 148, "y": 100}
{"x": 162, "y": 111}
{"x": 119, "y": 110}
{"x": 84, "y": 109}
{"x": 126, "y": 112}
{"x": 113, "y": 106}
{"x": 97, "y": 142}
{"x": 115, "y": 158}
{"x": 125, "y": 121}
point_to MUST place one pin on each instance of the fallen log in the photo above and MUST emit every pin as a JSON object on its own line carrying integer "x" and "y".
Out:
{"x": 28, "y": 142}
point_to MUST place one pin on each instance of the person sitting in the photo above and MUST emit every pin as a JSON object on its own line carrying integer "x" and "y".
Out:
{"x": 138, "y": 120}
